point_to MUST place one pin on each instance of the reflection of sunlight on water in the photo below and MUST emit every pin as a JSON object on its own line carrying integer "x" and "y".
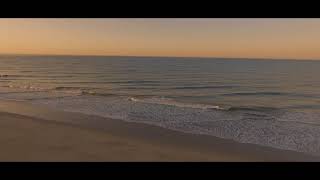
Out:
{"x": 209, "y": 79}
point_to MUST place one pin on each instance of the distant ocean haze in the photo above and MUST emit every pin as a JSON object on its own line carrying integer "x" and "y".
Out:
{"x": 268, "y": 102}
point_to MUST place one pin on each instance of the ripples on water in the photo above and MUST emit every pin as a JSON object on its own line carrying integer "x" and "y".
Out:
{"x": 266, "y": 102}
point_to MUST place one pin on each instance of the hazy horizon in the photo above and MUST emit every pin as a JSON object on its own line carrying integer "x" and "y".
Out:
{"x": 296, "y": 39}
{"x": 158, "y": 56}
{"x": 241, "y": 89}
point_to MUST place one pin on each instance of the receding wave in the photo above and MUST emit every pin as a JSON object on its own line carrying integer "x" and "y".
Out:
{"x": 287, "y": 130}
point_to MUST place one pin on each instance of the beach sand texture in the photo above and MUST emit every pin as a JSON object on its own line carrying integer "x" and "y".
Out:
{"x": 34, "y": 133}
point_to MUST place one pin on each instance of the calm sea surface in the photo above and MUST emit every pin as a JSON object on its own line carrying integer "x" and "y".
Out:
{"x": 268, "y": 102}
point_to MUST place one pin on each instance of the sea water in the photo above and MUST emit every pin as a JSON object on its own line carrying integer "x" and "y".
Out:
{"x": 272, "y": 103}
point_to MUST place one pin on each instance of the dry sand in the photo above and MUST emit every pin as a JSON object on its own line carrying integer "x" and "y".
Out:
{"x": 34, "y": 133}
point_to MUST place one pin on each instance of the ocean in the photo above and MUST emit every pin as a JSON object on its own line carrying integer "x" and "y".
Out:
{"x": 272, "y": 103}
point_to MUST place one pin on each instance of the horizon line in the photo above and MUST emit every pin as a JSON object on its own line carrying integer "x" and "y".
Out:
{"x": 159, "y": 56}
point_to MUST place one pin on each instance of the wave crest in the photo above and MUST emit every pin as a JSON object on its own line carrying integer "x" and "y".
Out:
{"x": 171, "y": 102}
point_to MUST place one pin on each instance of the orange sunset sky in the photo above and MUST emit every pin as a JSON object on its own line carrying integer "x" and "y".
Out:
{"x": 243, "y": 38}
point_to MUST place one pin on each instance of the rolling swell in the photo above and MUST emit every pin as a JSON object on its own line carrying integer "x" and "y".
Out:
{"x": 83, "y": 91}
{"x": 171, "y": 102}
{"x": 134, "y": 82}
{"x": 253, "y": 108}
{"x": 256, "y": 94}
{"x": 271, "y": 94}
{"x": 205, "y": 87}
{"x": 66, "y": 88}
{"x": 219, "y": 98}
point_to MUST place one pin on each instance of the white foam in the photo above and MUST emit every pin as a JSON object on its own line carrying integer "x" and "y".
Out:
{"x": 242, "y": 127}
{"x": 285, "y": 130}
{"x": 171, "y": 102}
{"x": 27, "y": 87}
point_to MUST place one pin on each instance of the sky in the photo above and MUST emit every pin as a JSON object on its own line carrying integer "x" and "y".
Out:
{"x": 234, "y": 38}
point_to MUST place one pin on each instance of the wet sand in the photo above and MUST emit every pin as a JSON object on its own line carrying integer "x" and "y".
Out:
{"x": 36, "y": 133}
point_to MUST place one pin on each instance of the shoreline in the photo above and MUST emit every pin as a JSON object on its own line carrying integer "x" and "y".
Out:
{"x": 46, "y": 134}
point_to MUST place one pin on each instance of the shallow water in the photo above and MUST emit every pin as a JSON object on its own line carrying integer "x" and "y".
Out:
{"x": 268, "y": 102}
